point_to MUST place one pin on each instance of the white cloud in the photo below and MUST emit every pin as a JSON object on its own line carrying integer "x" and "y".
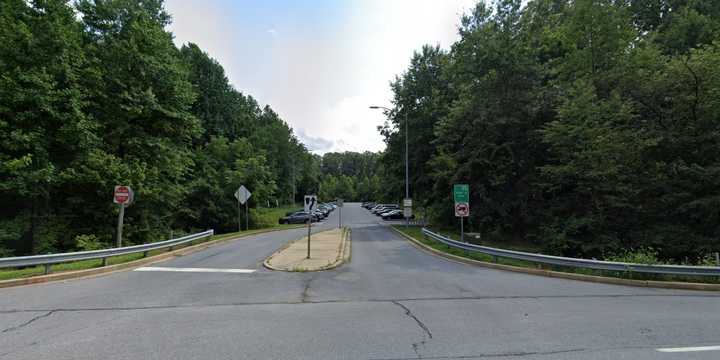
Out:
{"x": 316, "y": 145}
{"x": 322, "y": 78}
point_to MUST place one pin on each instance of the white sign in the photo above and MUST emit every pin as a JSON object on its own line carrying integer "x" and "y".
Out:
{"x": 407, "y": 212}
{"x": 339, "y": 202}
{"x": 407, "y": 202}
{"x": 242, "y": 194}
{"x": 310, "y": 203}
{"x": 462, "y": 209}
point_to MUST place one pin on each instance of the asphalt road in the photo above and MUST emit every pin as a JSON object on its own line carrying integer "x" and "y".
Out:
{"x": 391, "y": 301}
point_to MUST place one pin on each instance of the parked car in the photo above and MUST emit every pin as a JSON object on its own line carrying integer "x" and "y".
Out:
{"x": 394, "y": 215}
{"x": 383, "y": 209}
{"x": 327, "y": 209}
{"x": 299, "y": 217}
{"x": 321, "y": 215}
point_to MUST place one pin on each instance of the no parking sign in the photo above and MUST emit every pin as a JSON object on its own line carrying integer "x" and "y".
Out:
{"x": 462, "y": 209}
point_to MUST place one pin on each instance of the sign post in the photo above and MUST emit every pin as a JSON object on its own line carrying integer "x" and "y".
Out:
{"x": 407, "y": 211}
{"x": 461, "y": 195}
{"x": 310, "y": 202}
{"x": 121, "y": 217}
{"x": 242, "y": 195}
{"x": 123, "y": 196}
{"x": 340, "y": 206}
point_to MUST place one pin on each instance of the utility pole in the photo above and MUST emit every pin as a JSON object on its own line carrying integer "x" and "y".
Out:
{"x": 293, "y": 184}
{"x": 407, "y": 169}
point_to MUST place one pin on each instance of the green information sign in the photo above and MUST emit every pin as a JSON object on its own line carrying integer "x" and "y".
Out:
{"x": 461, "y": 193}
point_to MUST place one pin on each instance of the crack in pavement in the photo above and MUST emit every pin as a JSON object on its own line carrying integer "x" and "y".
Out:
{"x": 427, "y": 334}
{"x": 410, "y": 314}
{"x": 305, "y": 300}
{"x": 18, "y": 327}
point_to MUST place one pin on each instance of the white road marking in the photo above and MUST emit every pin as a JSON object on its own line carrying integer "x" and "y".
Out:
{"x": 689, "y": 349}
{"x": 200, "y": 270}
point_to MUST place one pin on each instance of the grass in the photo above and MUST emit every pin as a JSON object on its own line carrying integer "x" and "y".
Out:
{"x": 268, "y": 217}
{"x": 8, "y": 274}
{"x": 416, "y": 233}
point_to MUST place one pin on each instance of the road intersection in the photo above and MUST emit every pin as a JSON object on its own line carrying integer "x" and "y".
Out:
{"x": 391, "y": 301}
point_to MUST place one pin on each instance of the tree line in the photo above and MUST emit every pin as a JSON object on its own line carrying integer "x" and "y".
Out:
{"x": 588, "y": 127}
{"x": 94, "y": 94}
{"x": 351, "y": 176}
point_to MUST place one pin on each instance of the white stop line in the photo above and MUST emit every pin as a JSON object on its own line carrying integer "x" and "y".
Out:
{"x": 196, "y": 270}
{"x": 689, "y": 349}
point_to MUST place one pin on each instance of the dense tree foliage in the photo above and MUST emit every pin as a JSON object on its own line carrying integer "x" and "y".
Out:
{"x": 586, "y": 126}
{"x": 94, "y": 94}
{"x": 350, "y": 176}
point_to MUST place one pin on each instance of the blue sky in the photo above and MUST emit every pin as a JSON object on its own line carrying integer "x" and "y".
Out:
{"x": 319, "y": 64}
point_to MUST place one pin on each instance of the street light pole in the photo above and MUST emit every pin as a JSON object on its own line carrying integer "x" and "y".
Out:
{"x": 407, "y": 171}
{"x": 407, "y": 166}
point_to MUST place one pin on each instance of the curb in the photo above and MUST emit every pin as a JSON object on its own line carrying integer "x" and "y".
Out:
{"x": 562, "y": 275}
{"x": 92, "y": 272}
{"x": 343, "y": 256}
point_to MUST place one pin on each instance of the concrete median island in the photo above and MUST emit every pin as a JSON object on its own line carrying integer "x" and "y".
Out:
{"x": 328, "y": 249}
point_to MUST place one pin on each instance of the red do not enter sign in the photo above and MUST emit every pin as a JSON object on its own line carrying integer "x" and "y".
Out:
{"x": 122, "y": 194}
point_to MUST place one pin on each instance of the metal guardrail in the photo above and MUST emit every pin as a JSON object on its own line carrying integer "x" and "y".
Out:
{"x": 578, "y": 263}
{"x": 47, "y": 260}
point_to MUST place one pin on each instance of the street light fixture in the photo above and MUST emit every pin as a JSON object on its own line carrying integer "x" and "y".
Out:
{"x": 407, "y": 171}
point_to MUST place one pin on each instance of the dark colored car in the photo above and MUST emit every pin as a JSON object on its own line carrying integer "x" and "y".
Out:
{"x": 299, "y": 217}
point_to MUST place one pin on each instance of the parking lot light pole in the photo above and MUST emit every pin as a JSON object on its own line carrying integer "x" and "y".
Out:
{"x": 407, "y": 171}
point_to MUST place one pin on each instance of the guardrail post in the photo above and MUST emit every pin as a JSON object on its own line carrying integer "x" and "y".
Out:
{"x": 495, "y": 259}
{"x": 48, "y": 268}
{"x": 145, "y": 254}
{"x": 104, "y": 262}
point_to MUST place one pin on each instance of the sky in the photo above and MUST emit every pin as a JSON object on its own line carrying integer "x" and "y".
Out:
{"x": 319, "y": 64}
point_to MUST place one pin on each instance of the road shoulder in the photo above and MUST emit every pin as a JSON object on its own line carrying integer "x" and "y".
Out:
{"x": 105, "y": 270}
{"x": 557, "y": 274}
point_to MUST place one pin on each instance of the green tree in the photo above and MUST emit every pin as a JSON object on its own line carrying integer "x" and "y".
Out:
{"x": 45, "y": 136}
